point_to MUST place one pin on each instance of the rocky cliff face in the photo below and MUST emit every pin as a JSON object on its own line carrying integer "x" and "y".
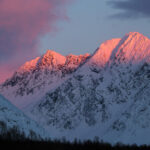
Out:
{"x": 107, "y": 96}
{"x": 37, "y": 76}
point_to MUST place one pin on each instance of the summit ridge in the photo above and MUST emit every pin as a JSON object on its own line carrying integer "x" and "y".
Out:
{"x": 105, "y": 94}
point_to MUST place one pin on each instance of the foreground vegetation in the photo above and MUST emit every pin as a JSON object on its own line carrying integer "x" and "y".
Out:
{"x": 13, "y": 138}
{"x": 59, "y": 145}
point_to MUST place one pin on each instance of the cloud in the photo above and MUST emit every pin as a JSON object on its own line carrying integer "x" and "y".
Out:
{"x": 131, "y": 8}
{"x": 6, "y": 70}
{"x": 22, "y": 23}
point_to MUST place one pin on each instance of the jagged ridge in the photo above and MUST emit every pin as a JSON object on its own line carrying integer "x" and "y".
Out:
{"x": 35, "y": 77}
{"x": 107, "y": 96}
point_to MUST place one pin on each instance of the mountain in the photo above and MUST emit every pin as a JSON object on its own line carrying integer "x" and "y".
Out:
{"x": 12, "y": 118}
{"x": 34, "y": 78}
{"x": 106, "y": 95}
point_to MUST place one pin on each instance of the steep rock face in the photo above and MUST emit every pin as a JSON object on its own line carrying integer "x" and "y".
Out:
{"x": 104, "y": 53}
{"x": 12, "y": 117}
{"x": 28, "y": 66}
{"x": 108, "y": 95}
{"x": 74, "y": 61}
{"x": 37, "y": 76}
{"x": 105, "y": 95}
{"x": 132, "y": 123}
{"x": 51, "y": 60}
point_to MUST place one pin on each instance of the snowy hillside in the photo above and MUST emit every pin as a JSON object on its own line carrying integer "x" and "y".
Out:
{"x": 107, "y": 96}
{"x": 13, "y": 117}
{"x": 36, "y": 77}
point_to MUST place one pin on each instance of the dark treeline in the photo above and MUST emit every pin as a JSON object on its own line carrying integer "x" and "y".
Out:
{"x": 13, "y": 138}
{"x": 59, "y": 145}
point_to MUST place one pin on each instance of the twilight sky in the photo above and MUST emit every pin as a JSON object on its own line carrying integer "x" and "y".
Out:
{"x": 29, "y": 27}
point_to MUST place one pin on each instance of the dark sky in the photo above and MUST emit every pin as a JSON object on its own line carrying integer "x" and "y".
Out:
{"x": 131, "y": 9}
{"x": 29, "y": 27}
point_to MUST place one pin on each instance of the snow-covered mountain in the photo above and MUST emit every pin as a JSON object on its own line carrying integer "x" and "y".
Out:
{"x": 11, "y": 117}
{"x": 107, "y": 96}
{"x": 34, "y": 78}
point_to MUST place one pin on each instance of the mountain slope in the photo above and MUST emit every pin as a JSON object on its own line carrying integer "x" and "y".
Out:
{"x": 35, "y": 77}
{"x": 102, "y": 97}
{"x": 14, "y": 118}
{"x": 105, "y": 95}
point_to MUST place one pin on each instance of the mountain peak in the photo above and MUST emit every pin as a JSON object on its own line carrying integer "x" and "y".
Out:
{"x": 133, "y": 47}
{"x": 29, "y": 65}
{"x": 108, "y": 92}
{"x": 51, "y": 58}
{"x": 50, "y": 52}
{"x": 103, "y": 54}
{"x": 136, "y": 36}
